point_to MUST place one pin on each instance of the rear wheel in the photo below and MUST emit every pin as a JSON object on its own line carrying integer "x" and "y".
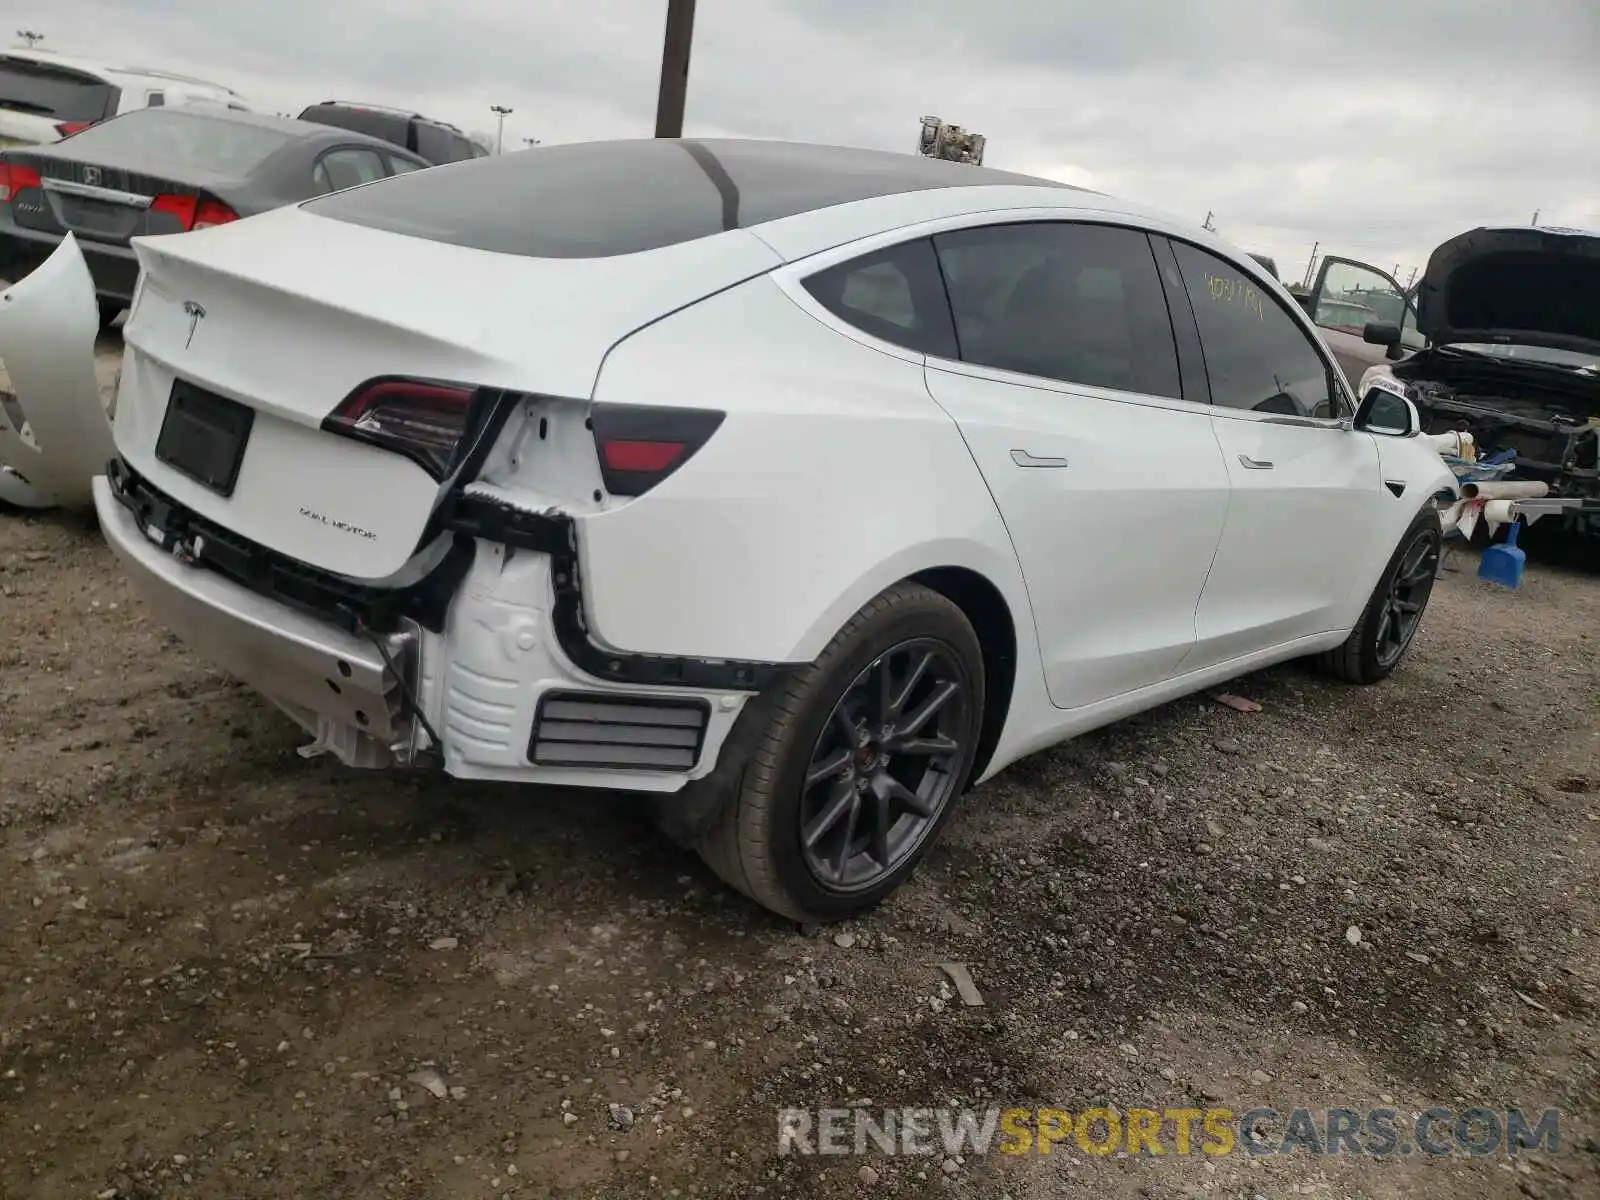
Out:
{"x": 1389, "y": 623}
{"x": 850, "y": 772}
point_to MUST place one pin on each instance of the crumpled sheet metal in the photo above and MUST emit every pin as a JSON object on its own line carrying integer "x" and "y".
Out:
{"x": 48, "y": 325}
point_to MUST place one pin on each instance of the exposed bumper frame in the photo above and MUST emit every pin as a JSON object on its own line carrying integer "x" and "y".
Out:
{"x": 334, "y": 683}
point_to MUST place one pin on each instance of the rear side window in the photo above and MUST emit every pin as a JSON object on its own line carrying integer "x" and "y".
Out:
{"x": 440, "y": 145}
{"x": 1257, "y": 357}
{"x": 1078, "y": 303}
{"x": 47, "y": 91}
{"x": 348, "y": 168}
{"x": 893, "y": 294}
{"x": 169, "y": 141}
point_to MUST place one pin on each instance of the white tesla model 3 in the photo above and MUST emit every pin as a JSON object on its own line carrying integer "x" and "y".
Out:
{"x": 802, "y": 486}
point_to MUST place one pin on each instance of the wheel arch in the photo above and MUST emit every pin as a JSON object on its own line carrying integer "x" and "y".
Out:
{"x": 991, "y": 618}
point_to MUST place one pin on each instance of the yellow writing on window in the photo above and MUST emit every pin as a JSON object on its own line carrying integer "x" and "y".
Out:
{"x": 1226, "y": 289}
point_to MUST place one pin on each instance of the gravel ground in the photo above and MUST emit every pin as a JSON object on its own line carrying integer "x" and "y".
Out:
{"x": 226, "y": 971}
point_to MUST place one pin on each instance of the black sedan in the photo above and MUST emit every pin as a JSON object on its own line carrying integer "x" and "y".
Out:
{"x": 170, "y": 170}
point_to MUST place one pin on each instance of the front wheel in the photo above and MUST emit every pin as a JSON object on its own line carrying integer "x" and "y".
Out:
{"x": 1389, "y": 622}
{"x": 853, "y": 768}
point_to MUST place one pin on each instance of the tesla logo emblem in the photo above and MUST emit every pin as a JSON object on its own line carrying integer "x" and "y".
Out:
{"x": 196, "y": 315}
{"x": 91, "y": 175}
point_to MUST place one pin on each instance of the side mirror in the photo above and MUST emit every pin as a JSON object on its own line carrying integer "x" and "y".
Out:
{"x": 1387, "y": 414}
{"x": 1385, "y": 334}
{"x": 1381, "y": 333}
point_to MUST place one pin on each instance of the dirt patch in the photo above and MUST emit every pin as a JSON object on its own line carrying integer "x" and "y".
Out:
{"x": 226, "y": 971}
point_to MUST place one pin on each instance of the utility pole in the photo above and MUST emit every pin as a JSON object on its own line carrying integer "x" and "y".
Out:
{"x": 502, "y": 112}
{"x": 1535, "y": 220}
{"x": 1311, "y": 265}
{"x": 1208, "y": 225}
{"x": 675, "y": 68}
{"x": 1412, "y": 278}
{"x": 30, "y": 37}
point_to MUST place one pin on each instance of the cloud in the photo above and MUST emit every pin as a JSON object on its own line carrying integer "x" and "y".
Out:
{"x": 1377, "y": 133}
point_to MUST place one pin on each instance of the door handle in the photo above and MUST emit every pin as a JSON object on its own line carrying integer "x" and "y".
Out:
{"x": 1255, "y": 464}
{"x": 1023, "y": 459}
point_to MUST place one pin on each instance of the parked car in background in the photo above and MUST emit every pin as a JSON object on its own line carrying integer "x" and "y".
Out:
{"x": 1512, "y": 321}
{"x": 170, "y": 170}
{"x": 1349, "y": 295}
{"x": 1267, "y": 261}
{"x": 435, "y": 141}
{"x": 46, "y": 96}
{"x": 938, "y": 465}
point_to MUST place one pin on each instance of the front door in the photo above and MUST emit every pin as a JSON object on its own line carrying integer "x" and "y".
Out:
{"x": 1305, "y": 489}
{"x": 1111, "y": 484}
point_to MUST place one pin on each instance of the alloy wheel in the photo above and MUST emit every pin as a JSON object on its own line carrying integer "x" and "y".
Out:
{"x": 885, "y": 765}
{"x": 1407, "y": 596}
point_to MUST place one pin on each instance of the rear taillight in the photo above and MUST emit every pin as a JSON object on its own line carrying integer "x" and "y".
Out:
{"x": 193, "y": 212}
{"x": 67, "y": 128}
{"x": 423, "y": 419}
{"x": 181, "y": 207}
{"x": 14, "y": 178}
{"x": 212, "y": 212}
{"x": 639, "y": 445}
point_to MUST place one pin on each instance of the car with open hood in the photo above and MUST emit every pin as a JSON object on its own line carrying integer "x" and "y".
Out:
{"x": 1511, "y": 318}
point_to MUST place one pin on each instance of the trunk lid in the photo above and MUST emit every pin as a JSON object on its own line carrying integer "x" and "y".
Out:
{"x": 287, "y": 313}
{"x": 103, "y": 203}
{"x": 1527, "y": 286}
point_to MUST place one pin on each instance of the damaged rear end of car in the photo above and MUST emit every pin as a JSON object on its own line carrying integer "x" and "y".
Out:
{"x": 350, "y": 482}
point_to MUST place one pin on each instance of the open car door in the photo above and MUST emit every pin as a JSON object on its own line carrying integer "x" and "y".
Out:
{"x": 1350, "y": 299}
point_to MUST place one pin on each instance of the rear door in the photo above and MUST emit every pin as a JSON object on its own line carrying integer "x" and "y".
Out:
{"x": 1069, "y": 392}
{"x": 1305, "y": 490}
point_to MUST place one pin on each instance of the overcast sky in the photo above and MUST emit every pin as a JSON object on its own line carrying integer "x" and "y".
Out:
{"x": 1378, "y": 130}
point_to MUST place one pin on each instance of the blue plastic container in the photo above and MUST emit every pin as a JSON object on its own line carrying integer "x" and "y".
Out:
{"x": 1503, "y": 564}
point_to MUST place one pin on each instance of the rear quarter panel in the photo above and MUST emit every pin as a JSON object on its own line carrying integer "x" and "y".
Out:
{"x": 833, "y": 476}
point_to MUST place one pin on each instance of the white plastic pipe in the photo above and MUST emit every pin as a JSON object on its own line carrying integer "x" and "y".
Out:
{"x": 1491, "y": 489}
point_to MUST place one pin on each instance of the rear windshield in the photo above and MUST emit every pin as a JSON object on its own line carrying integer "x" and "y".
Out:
{"x": 54, "y": 92}
{"x": 168, "y": 141}
{"x": 597, "y": 199}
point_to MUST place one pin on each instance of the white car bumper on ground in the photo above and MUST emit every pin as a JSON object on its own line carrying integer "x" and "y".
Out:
{"x": 48, "y": 324}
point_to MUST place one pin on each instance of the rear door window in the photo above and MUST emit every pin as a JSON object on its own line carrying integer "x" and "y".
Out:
{"x": 1075, "y": 302}
{"x": 893, "y": 294}
{"x": 173, "y": 140}
{"x": 347, "y": 168}
{"x": 49, "y": 91}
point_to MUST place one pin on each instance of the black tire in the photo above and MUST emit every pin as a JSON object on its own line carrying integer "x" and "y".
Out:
{"x": 755, "y": 841}
{"x": 1361, "y": 659}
